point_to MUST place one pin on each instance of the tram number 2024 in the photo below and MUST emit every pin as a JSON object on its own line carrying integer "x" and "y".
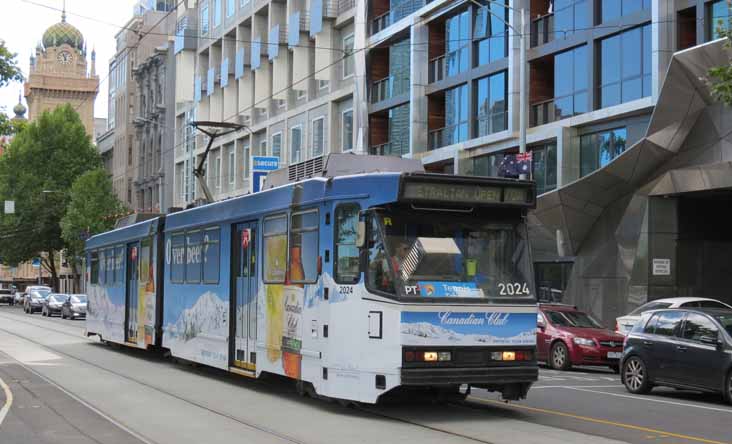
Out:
{"x": 513, "y": 289}
{"x": 345, "y": 289}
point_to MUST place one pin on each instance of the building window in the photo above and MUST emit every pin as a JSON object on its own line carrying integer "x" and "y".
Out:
{"x": 296, "y": 144}
{"x": 348, "y": 61}
{"x": 318, "y": 136}
{"x": 232, "y": 165}
{"x": 570, "y": 82}
{"x": 552, "y": 279}
{"x": 544, "y": 167}
{"x": 571, "y": 16}
{"x": 304, "y": 247}
{"x": 245, "y": 163}
{"x": 625, "y": 72}
{"x": 276, "y": 145}
{"x": 486, "y": 166}
{"x": 204, "y": 18}
{"x": 490, "y": 33}
{"x": 262, "y": 147}
{"x": 243, "y": 2}
{"x": 492, "y": 102}
{"x": 230, "y": 8}
{"x": 599, "y": 149}
{"x": 217, "y": 166}
{"x": 614, "y": 9}
{"x": 347, "y": 130}
{"x": 456, "y": 116}
{"x": 718, "y": 19}
{"x": 346, "y": 250}
{"x": 217, "y": 13}
{"x": 457, "y": 43}
{"x": 323, "y": 84}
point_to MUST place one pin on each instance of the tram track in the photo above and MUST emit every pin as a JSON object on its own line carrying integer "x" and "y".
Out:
{"x": 255, "y": 426}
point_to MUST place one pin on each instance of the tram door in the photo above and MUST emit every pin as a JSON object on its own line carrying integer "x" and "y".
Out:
{"x": 132, "y": 297}
{"x": 244, "y": 296}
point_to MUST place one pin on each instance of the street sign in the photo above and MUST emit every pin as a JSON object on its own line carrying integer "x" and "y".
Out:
{"x": 261, "y": 165}
{"x": 36, "y": 262}
{"x": 662, "y": 267}
{"x": 9, "y": 207}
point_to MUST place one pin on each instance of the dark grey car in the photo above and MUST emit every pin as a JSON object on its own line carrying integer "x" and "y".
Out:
{"x": 682, "y": 348}
{"x": 53, "y": 304}
{"x": 34, "y": 300}
{"x": 74, "y": 307}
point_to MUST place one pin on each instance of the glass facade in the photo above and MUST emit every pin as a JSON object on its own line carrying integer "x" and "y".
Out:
{"x": 625, "y": 66}
{"x": 398, "y": 131}
{"x": 614, "y": 9}
{"x": 492, "y": 104}
{"x": 204, "y": 20}
{"x": 456, "y": 116}
{"x": 490, "y": 33}
{"x": 484, "y": 165}
{"x": 544, "y": 167}
{"x": 571, "y": 16}
{"x": 599, "y": 149}
{"x": 571, "y": 82}
{"x": 718, "y": 19}
{"x": 457, "y": 44}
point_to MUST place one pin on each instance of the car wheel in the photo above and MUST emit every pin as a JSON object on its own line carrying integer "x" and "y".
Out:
{"x": 635, "y": 376}
{"x": 560, "y": 357}
{"x": 728, "y": 388}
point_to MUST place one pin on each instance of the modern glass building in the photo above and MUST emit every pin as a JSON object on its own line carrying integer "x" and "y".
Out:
{"x": 617, "y": 113}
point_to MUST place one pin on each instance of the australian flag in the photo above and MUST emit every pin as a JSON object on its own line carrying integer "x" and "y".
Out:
{"x": 514, "y": 165}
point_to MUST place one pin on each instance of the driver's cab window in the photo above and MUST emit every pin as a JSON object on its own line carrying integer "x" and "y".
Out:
{"x": 379, "y": 276}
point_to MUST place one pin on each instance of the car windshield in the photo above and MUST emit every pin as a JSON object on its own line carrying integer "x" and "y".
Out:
{"x": 648, "y": 307}
{"x": 572, "y": 319}
{"x": 40, "y": 294}
{"x": 726, "y": 321}
{"x": 78, "y": 299}
{"x": 58, "y": 297}
{"x": 450, "y": 255}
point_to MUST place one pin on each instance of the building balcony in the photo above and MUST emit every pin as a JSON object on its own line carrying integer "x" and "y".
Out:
{"x": 345, "y": 5}
{"x": 447, "y": 135}
{"x": 438, "y": 69}
{"x": 542, "y": 30}
{"x": 385, "y": 18}
{"x": 487, "y": 125}
{"x": 388, "y": 87}
{"x": 542, "y": 113}
{"x": 448, "y": 64}
{"x": 399, "y": 148}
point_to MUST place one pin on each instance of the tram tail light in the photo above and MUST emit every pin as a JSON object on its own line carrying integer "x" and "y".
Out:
{"x": 430, "y": 356}
{"x": 409, "y": 356}
{"x": 512, "y": 355}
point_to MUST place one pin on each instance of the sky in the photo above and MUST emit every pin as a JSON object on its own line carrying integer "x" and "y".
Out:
{"x": 23, "y": 22}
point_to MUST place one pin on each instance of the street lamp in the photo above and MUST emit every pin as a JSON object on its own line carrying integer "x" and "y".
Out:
{"x": 523, "y": 96}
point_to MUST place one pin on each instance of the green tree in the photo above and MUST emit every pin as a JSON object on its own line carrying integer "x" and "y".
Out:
{"x": 9, "y": 72}
{"x": 37, "y": 172}
{"x": 93, "y": 208}
{"x": 721, "y": 76}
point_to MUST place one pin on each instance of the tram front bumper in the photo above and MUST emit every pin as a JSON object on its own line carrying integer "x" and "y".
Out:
{"x": 475, "y": 376}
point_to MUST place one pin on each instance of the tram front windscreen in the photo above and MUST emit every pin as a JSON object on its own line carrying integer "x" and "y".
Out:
{"x": 428, "y": 254}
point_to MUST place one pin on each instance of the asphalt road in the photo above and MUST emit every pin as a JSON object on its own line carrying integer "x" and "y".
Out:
{"x": 87, "y": 392}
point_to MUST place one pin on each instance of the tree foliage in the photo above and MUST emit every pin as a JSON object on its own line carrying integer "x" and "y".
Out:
{"x": 721, "y": 76}
{"x": 91, "y": 210}
{"x": 9, "y": 70}
{"x": 37, "y": 172}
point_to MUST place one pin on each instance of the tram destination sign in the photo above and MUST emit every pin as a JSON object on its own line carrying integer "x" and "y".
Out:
{"x": 464, "y": 193}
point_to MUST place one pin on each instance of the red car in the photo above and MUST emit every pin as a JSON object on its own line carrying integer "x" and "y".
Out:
{"x": 566, "y": 336}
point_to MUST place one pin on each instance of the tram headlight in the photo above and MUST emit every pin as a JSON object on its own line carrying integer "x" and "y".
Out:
{"x": 444, "y": 356}
{"x": 430, "y": 356}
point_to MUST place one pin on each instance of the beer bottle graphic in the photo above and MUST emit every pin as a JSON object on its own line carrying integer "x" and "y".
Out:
{"x": 293, "y": 301}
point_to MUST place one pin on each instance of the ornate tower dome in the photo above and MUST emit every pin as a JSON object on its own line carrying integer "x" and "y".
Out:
{"x": 61, "y": 33}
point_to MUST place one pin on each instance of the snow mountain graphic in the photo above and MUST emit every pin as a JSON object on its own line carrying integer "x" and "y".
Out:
{"x": 207, "y": 317}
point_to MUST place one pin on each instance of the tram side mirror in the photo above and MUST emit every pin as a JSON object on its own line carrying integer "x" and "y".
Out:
{"x": 361, "y": 235}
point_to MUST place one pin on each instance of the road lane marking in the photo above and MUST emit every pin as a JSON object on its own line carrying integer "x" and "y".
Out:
{"x": 8, "y": 401}
{"x": 661, "y": 401}
{"x": 597, "y": 421}
{"x": 572, "y": 386}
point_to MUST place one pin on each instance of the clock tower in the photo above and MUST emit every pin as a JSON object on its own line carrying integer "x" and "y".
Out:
{"x": 59, "y": 74}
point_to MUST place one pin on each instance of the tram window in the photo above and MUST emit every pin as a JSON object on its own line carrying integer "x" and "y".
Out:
{"x": 110, "y": 267}
{"x": 94, "y": 272}
{"x": 379, "y": 274}
{"x": 119, "y": 264}
{"x": 177, "y": 258}
{"x": 304, "y": 247}
{"x": 346, "y": 252}
{"x": 102, "y": 267}
{"x": 193, "y": 257}
{"x": 275, "y": 249}
{"x": 211, "y": 256}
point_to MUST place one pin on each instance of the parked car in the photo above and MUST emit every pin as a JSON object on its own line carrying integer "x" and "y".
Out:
{"x": 681, "y": 348}
{"x": 6, "y": 296}
{"x": 624, "y": 324}
{"x": 74, "y": 307}
{"x": 19, "y": 297}
{"x": 53, "y": 303}
{"x": 34, "y": 300}
{"x": 567, "y": 336}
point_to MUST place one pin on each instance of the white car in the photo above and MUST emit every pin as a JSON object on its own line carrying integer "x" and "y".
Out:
{"x": 624, "y": 324}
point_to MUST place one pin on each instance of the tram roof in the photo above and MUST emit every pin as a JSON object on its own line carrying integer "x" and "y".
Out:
{"x": 124, "y": 234}
{"x": 375, "y": 188}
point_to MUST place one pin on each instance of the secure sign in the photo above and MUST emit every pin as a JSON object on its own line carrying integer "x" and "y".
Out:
{"x": 261, "y": 165}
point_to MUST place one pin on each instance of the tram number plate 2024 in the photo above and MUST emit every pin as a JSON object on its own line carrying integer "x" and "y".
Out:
{"x": 513, "y": 289}
{"x": 345, "y": 289}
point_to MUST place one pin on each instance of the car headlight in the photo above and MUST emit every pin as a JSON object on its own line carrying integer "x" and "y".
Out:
{"x": 584, "y": 341}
